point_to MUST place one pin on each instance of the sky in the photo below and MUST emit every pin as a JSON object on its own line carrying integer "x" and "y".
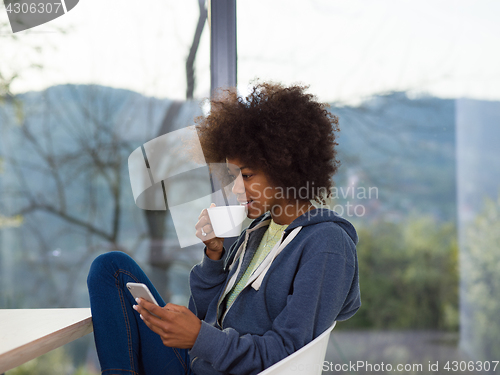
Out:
{"x": 345, "y": 50}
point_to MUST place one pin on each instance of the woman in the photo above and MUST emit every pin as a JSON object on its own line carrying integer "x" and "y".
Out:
{"x": 287, "y": 278}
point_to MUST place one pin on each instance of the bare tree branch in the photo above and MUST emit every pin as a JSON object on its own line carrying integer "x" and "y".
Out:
{"x": 190, "y": 75}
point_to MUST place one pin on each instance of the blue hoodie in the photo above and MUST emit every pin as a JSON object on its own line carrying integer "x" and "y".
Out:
{"x": 310, "y": 284}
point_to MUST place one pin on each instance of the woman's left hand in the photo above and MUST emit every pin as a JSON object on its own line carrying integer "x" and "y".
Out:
{"x": 177, "y": 326}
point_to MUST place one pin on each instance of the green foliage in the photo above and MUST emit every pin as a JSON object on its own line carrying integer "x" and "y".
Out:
{"x": 408, "y": 276}
{"x": 481, "y": 281}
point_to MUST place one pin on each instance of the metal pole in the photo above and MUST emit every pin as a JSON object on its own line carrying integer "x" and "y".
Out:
{"x": 222, "y": 20}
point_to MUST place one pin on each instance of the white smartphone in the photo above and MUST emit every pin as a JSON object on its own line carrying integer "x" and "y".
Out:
{"x": 139, "y": 290}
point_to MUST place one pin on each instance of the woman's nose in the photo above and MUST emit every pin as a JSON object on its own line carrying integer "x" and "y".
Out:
{"x": 238, "y": 187}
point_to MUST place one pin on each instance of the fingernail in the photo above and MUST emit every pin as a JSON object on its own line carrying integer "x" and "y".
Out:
{"x": 135, "y": 307}
{"x": 141, "y": 316}
{"x": 137, "y": 300}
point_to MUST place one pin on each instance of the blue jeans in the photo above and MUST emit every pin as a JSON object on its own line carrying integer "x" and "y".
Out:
{"x": 125, "y": 345}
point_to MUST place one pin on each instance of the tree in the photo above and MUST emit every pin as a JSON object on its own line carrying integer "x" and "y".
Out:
{"x": 408, "y": 275}
{"x": 190, "y": 73}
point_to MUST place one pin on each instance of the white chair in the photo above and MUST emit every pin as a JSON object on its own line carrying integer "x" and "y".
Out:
{"x": 305, "y": 361}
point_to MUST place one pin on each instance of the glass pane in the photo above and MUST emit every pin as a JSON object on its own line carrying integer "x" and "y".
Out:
{"x": 77, "y": 96}
{"x": 416, "y": 87}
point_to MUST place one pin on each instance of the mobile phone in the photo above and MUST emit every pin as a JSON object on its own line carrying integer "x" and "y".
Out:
{"x": 140, "y": 290}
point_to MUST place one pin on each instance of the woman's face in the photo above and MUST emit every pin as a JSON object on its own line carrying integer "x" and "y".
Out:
{"x": 253, "y": 189}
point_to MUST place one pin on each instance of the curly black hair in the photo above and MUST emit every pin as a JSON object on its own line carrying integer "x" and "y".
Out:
{"x": 280, "y": 130}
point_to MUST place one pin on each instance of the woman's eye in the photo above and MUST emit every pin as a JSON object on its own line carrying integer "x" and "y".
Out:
{"x": 233, "y": 177}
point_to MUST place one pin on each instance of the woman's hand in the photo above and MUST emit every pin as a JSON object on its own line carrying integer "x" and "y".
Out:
{"x": 205, "y": 232}
{"x": 177, "y": 326}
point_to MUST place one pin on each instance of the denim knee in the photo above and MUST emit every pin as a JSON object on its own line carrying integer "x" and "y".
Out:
{"x": 106, "y": 265}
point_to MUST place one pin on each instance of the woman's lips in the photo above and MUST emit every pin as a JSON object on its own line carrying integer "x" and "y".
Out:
{"x": 246, "y": 203}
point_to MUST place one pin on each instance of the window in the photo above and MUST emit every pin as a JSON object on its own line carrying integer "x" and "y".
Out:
{"x": 104, "y": 88}
{"x": 416, "y": 89}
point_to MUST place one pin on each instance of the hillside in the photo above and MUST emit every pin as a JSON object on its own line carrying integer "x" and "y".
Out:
{"x": 406, "y": 148}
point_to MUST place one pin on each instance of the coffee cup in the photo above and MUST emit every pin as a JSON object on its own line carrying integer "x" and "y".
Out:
{"x": 227, "y": 220}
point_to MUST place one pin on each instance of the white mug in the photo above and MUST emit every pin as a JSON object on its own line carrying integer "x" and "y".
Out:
{"x": 227, "y": 220}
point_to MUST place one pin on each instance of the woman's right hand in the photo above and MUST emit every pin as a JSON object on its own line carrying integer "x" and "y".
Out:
{"x": 205, "y": 232}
